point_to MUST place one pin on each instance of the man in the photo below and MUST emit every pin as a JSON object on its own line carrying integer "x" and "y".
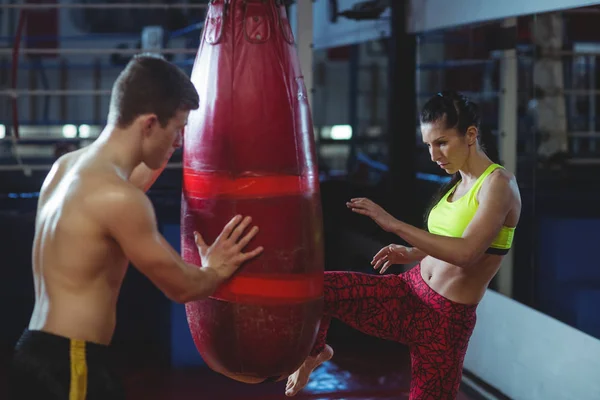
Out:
{"x": 94, "y": 218}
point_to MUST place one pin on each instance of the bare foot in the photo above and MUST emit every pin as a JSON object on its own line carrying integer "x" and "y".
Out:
{"x": 299, "y": 379}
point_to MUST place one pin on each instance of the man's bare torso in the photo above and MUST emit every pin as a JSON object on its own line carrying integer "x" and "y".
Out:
{"x": 78, "y": 269}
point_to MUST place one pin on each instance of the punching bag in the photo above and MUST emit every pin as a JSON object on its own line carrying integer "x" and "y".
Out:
{"x": 249, "y": 149}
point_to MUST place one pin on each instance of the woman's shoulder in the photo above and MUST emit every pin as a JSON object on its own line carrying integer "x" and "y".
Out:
{"x": 501, "y": 182}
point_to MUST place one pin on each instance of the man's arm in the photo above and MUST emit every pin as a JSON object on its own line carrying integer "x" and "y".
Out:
{"x": 132, "y": 223}
{"x": 143, "y": 177}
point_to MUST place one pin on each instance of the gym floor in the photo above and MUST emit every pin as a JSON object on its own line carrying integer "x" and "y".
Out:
{"x": 349, "y": 377}
{"x": 366, "y": 374}
{"x": 362, "y": 368}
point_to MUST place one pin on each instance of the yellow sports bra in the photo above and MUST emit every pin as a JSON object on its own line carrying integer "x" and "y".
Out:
{"x": 452, "y": 218}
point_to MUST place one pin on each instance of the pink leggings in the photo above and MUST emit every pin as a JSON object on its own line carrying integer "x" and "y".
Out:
{"x": 403, "y": 308}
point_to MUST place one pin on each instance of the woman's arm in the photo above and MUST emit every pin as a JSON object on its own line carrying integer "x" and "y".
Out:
{"x": 496, "y": 198}
{"x": 396, "y": 254}
{"x": 416, "y": 254}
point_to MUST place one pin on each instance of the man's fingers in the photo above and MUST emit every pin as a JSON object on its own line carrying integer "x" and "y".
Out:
{"x": 226, "y": 232}
{"x": 199, "y": 240}
{"x": 252, "y": 254}
{"x": 237, "y": 232}
{"x": 248, "y": 237}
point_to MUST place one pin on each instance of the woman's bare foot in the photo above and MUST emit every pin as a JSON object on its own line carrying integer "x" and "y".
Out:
{"x": 299, "y": 379}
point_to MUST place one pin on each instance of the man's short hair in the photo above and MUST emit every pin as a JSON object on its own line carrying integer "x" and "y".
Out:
{"x": 149, "y": 84}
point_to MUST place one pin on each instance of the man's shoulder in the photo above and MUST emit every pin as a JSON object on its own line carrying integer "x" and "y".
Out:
{"x": 112, "y": 193}
{"x": 61, "y": 167}
{"x": 120, "y": 207}
{"x": 68, "y": 159}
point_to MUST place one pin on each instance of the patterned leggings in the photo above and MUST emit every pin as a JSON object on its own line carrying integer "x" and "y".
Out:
{"x": 403, "y": 308}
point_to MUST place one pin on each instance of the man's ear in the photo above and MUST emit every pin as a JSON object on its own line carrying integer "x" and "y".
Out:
{"x": 148, "y": 122}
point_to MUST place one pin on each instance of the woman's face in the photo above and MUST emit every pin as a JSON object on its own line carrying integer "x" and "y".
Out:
{"x": 448, "y": 148}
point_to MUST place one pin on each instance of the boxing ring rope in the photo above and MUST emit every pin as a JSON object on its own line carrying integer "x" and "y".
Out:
{"x": 525, "y": 54}
{"x": 40, "y": 92}
{"x": 103, "y": 36}
{"x": 95, "y": 51}
{"x": 46, "y": 167}
{"x": 522, "y": 57}
{"x": 14, "y": 94}
{"x": 43, "y": 6}
{"x": 17, "y": 50}
{"x": 426, "y": 66}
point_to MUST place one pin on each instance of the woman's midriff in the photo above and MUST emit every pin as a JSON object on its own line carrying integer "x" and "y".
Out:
{"x": 461, "y": 285}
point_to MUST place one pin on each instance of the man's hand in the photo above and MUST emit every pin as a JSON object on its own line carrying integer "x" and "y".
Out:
{"x": 225, "y": 255}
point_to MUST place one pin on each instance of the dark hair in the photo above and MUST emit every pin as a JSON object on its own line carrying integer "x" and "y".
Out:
{"x": 458, "y": 112}
{"x": 151, "y": 84}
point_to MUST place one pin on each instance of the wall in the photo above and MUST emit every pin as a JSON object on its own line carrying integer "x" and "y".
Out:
{"x": 428, "y": 15}
{"x": 568, "y": 264}
{"x": 529, "y": 355}
{"x": 425, "y": 15}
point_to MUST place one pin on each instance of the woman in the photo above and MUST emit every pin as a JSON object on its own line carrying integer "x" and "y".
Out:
{"x": 431, "y": 307}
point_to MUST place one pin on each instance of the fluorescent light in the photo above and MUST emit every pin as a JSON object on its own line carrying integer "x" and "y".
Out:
{"x": 69, "y": 131}
{"x": 341, "y": 132}
{"x": 84, "y": 131}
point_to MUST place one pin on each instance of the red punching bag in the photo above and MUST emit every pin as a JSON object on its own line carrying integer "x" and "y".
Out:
{"x": 249, "y": 149}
